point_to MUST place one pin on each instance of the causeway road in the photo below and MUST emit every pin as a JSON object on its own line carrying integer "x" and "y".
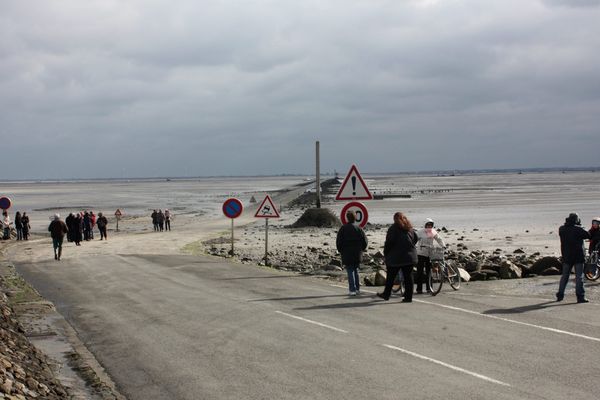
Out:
{"x": 188, "y": 327}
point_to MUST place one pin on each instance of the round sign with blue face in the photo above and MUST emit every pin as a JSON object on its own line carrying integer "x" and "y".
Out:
{"x": 232, "y": 208}
{"x": 5, "y": 203}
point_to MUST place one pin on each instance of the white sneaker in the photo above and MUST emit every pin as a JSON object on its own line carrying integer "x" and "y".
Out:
{"x": 358, "y": 292}
{"x": 352, "y": 294}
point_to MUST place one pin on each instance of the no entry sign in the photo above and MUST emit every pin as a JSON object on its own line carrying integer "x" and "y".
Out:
{"x": 362, "y": 215}
{"x": 232, "y": 208}
{"x": 5, "y": 203}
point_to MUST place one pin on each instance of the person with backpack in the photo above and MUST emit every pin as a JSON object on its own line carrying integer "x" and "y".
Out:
{"x": 351, "y": 242}
{"x": 400, "y": 253}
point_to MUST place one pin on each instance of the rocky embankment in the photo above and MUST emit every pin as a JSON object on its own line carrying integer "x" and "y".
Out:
{"x": 25, "y": 372}
{"x": 312, "y": 251}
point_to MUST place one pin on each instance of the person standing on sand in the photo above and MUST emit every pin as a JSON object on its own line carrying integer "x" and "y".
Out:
{"x": 351, "y": 242}
{"x": 6, "y": 223}
{"x": 87, "y": 226}
{"x": 19, "y": 225}
{"x": 167, "y": 220}
{"x": 155, "y": 220}
{"x": 425, "y": 250}
{"x": 572, "y": 236}
{"x": 58, "y": 230}
{"x": 400, "y": 253}
{"x": 160, "y": 217}
{"x": 102, "y": 224}
{"x": 77, "y": 228}
{"x": 93, "y": 222}
{"x": 26, "y": 226}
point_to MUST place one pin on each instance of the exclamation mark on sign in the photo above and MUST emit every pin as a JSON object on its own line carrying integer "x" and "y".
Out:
{"x": 353, "y": 186}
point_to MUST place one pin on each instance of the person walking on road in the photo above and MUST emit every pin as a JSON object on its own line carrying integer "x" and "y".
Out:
{"x": 425, "y": 250}
{"x": 400, "y": 254}
{"x": 58, "y": 230}
{"x": 351, "y": 242}
{"x": 572, "y": 236}
{"x": 102, "y": 223}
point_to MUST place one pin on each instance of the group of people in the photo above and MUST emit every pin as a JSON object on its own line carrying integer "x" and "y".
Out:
{"x": 406, "y": 248}
{"x": 161, "y": 220}
{"x": 21, "y": 225}
{"x": 81, "y": 226}
{"x": 76, "y": 227}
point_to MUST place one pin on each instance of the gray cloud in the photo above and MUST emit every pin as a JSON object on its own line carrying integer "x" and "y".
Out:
{"x": 143, "y": 88}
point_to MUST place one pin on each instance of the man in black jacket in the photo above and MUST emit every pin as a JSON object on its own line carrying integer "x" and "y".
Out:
{"x": 351, "y": 242}
{"x": 572, "y": 236}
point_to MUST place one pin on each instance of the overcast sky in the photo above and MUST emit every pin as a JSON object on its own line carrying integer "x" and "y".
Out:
{"x": 138, "y": 88}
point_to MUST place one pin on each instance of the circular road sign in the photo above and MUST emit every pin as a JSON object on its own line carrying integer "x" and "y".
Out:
{"x": 5, "y": 203}
{"x": 232, "y": 208}
{"x": 362, "y": 215}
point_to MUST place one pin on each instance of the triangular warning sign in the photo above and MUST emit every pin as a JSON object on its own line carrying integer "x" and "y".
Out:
{"x": 267, "y": 209}
{"x": 353, "y": 187}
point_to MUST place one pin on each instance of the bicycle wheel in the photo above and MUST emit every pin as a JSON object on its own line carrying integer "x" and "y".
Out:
{"x": 436, "y": 277}
{"x": 453, "y": 276}
{"x": 592, "y": 269}
{"x": 399, "y": 283}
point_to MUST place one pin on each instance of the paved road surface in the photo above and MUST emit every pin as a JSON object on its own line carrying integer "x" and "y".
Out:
{"x": 183, "y": 327}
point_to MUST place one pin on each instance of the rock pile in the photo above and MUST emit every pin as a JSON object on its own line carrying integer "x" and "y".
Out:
{"x": 24, "y": 370}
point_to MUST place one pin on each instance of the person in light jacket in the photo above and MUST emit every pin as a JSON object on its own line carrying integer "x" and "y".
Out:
{"x": 426, "y": 248}
{"x": 400, "y": 253}
{"x": 351, "y": 242}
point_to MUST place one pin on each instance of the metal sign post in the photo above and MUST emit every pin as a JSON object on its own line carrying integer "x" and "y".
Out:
{"x": 266, "y": 210}
{"x": 232, "y": 208}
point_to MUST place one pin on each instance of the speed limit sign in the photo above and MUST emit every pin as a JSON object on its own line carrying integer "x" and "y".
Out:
{"x": 362, "y": 215}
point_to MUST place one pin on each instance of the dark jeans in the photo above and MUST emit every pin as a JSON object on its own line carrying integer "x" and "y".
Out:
{"x": 353, "y": 278}
{"x": 102, "y": 232}
{"x": 564, "y": 279}
{"x": 167, "y": 225}
{"x": 423, "y": 270}
{"x": 392, "y": 272}
{"x": 19, "y": 234}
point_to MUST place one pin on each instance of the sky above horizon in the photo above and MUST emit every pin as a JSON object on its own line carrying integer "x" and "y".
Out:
{"x": 132, "y": 88}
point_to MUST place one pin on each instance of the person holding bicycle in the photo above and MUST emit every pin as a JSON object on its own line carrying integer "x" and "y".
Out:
{"x": 425, "y": 249}
{"x": 400, "y": 254}
{"x": 594, "y": 235}
{"x": 572, "y": 236}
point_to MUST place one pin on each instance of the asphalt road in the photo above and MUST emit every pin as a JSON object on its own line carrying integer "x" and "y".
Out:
{"x": 183, "y": 327}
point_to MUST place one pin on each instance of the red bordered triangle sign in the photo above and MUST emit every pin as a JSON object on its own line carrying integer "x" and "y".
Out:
{"x": 354, "y": 187}
{"x": 267, "y": 209}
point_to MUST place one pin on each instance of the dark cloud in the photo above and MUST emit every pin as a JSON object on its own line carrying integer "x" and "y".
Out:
{"x": 141, "y": 89}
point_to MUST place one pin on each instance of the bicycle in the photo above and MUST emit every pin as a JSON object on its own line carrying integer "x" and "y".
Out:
{"x": 592, "y": 266}
{"x": 442, "y": 270}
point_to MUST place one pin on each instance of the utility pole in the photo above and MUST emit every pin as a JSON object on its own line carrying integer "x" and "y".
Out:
{"x": 318, "y": 172}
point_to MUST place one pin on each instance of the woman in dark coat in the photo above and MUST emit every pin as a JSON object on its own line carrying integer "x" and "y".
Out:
{"x": 351, "y": 242}
{"x": 26, "y": 226}
{"x": 19, "y": 225}
{"x": 400, "y": 253}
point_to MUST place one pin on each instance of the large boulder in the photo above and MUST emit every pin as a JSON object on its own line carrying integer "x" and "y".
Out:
{"x": 508, "y": 270}
{"x": 490, "y": 273}
{"x": 544, "y": 263}
{"x": 319, "y": 217}
{"x": 478, "y": 276}
{"x": 551, "y": 271}
{"x": 380, "y": 277}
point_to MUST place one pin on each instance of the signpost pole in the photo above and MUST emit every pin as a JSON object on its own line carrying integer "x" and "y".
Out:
{"x": 232, "y": 252}
{"x": 266, "y": 241}
{"x": 117, "y": 224}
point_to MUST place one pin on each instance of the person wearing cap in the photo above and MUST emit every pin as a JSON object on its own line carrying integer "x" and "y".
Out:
{"x": 425, "y": 250}
{"x": 594, "y": 235}
{"x": 351, "y": 242}
{"x": 572, "y": 236}
{"x": 58, "y": 230}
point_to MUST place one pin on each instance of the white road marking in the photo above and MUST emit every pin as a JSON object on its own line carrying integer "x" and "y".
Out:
{"x": 545, "y": 328}
{"x": 333, "y": 328}
{"x": 443, "y": 364}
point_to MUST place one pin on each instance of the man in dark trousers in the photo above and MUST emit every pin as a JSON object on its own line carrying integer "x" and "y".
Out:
{"x": 351, "y": 242}
{"x": 58, "y": 230}
{"x": 572, "y": 236}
